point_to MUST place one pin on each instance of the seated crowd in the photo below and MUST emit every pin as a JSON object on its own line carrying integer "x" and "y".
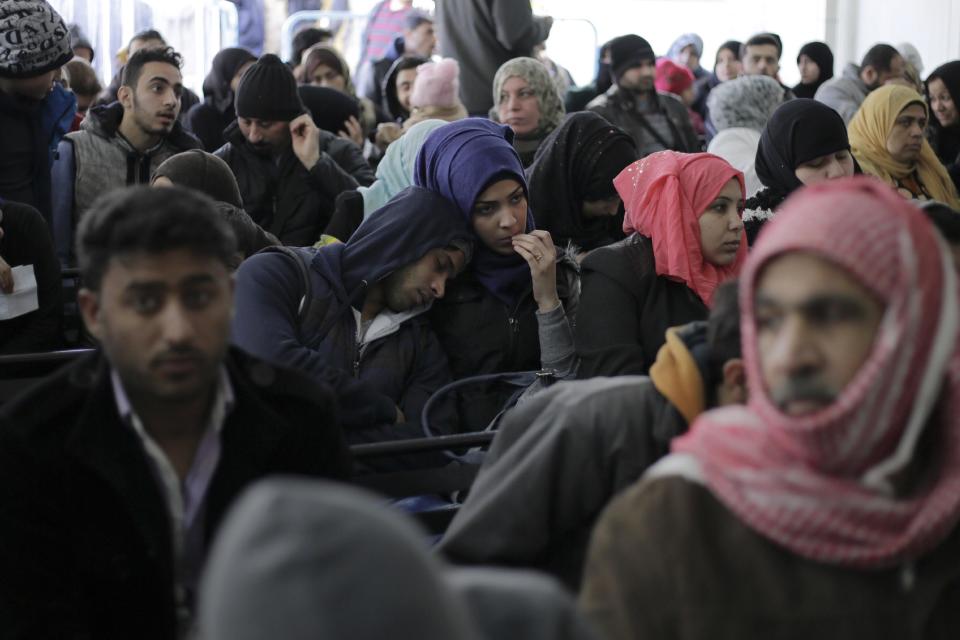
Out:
{"x": 709, "y": 323}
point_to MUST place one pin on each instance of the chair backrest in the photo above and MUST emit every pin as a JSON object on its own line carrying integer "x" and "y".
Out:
{"x": 21, "y": 371}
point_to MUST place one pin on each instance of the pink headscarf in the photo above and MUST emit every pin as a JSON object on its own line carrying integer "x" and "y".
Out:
{"x": 823, "y": 485}
{"x": 664, "y": 196}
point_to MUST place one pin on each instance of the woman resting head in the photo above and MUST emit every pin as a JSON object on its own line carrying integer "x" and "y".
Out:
{"x": 689, "y": 205}
{"x": 571, "y": 181}
{"x": 472, "y": 163}
{"x": 887, "y": 139}
{"x": 526, "y": 99}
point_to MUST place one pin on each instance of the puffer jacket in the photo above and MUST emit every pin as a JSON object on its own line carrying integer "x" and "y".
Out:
{"x": 619, "y": 108}
{"x": 282, "y": 196}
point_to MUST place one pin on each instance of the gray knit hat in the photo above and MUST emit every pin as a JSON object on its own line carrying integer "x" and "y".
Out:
{"x": 33, "y": 39}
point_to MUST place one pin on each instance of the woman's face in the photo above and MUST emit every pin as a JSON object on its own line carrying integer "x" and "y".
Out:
{"x": 499, "y": 213}
{"x": 905, "y": 140}
{"x": 838, "y": 164}
{"x": 727, "y": 67}
{"x": 721, "y": 226}
{"x": 518, "y": 106}
{"x": 324, "y": 76}
{"x": 809, "y": 70}
{"x": 941, "y": 103}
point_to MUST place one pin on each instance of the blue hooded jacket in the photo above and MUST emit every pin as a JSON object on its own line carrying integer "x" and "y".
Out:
{"x": 403, "y": 366}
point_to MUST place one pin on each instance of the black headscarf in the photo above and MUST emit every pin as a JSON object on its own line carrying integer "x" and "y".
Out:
{"x": 820, "y": 53}
{"x": 578, "y": 162}
{"x": 216, "y": 86}
{"x": 797, "y": 132}
{"x": 945, "y": 141}
{"x": 329, "y": 108}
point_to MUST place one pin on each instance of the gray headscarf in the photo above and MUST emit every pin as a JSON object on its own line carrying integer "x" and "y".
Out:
{"x": 747, "y": 101}
{"x": 538, "y": 77}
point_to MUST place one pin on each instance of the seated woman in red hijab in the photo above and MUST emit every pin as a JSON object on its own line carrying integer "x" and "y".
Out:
{"x": 683, "y": 217}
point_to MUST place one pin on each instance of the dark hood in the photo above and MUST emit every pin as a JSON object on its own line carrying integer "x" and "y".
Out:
{"x": 412, "y": 223}
{"x": 389, "y": 87}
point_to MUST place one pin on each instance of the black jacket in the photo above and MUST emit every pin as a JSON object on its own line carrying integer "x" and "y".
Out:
{"x": 26, "y": 240}
{"x": 283, "y": 197}
{"x": 208, "y": 123}
{"x": 626, "y": 309}
{"x": 86, "y": 537}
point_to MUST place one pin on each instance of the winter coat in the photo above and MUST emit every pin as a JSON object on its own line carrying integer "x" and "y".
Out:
{"x": 26, "y": 240}
{"x": 626, "y": 309}
{"x": 30, "y": 132}
{"x": 396, "y": 360}
{"x": 619, "y": 108}
{"x": 283, "y": 197}
{"x": 668, "y": 560}
{"x": 97, "y": 160}
{"x": 844, "y": 94}
{"x": 373, "y": 80}
{"x": 87, "y": 538}
{"x": 482, "y": 35}
{"x": 480, "y": 335}
{"x": 208, "y": 123}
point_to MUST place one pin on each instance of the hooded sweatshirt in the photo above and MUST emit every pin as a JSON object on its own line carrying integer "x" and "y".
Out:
{"x": 396, "y": 360}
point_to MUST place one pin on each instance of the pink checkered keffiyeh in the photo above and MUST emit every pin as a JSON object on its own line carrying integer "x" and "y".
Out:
{"x": 822, "y": 485}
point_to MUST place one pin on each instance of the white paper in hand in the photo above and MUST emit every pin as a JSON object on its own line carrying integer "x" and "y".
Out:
{"x": 24, "y": 297}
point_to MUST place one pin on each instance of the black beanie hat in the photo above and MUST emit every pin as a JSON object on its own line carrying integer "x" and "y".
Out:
{"x": 268, "y": 91}
{"x": 627, "y": 52}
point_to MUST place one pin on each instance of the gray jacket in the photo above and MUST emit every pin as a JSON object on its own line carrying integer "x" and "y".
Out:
{"x": 619, "y": 107}
{"x": 844, "y": 94}
{"x": 482, "y": 35}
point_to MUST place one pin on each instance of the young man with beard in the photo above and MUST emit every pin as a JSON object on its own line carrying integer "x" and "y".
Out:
{"x": 120, "y": 144}
{"x": 116, "y": 472}
{"x": 880, "y": 65}
{"x": 656, "y": 121}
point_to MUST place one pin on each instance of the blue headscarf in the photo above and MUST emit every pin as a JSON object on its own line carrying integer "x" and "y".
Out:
{"x": 461, "y": 159}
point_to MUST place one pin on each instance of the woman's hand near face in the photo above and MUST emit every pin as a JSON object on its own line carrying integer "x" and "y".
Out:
{"x": 541, "y": 255}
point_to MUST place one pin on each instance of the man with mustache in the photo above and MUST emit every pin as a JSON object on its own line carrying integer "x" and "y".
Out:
{"x": 827, "y": 506}
{"x": 116, "y": 472}
{"x": 120, "y": 144}
{"x": 655, "y": 120}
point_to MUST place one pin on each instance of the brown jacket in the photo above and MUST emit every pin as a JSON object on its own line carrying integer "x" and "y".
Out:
{"x": 668, "y": 560}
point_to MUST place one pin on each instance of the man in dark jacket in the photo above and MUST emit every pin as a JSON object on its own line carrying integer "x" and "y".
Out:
{"x": 656, "y": 120}
{"x": 289, "y": 171}
{"x": 418, "y": 39}
{"x": 116, "y": 472}
{"x": 560, "y": 457}
{"x": 362, "y": 328}
{"x": 35, "y": 112}
{"x": 483, "y": 34}
{"x": 120, "y": 144}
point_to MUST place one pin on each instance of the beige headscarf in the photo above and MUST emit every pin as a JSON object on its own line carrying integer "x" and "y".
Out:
{"x": 868, "y": 140}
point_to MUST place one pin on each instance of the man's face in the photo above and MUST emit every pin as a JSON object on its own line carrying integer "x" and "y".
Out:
{"x": 905, "y": 140}
{"x": 155, "y": 101}
{"x": 815, "y": 329}
{"x": 35, "y": 88}
{"x": 423, "y": 281}
{"x": 420, "y": 40}
{"x": 761, "y": 60}
{"x": 265, "y": 136}
{"x": 163, "y": 320}
{"x": 404, "y": 84}
{"x": 640, "y": 77}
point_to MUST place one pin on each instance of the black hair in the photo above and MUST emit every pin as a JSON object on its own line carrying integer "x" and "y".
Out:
{"x": 148, "y": 34}
{"x": 879, "y": 56}
{"x": 733, "y": 46}
{"x": 305, "y": 39}
{"x": 723, "y": 330}
{"x": 945, "y": 219}
{"x": 762, "y": 39}
{"x": 150, "y": 220}
{"x": 134, "y": 66}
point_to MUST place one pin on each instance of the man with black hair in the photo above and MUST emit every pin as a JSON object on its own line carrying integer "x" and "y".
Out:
{"x": 881, "y": 64}
{"x": 289, "y": 171}
{"x": 560, "y": 457}
{"x": 761, "y": 57}
{"x": 655, "y": 120}
{"x": 122, "y": 143}
{"x": 116, "y": 472}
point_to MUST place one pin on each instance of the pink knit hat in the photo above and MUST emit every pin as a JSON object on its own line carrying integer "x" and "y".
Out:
{"x": 437, "y": 85}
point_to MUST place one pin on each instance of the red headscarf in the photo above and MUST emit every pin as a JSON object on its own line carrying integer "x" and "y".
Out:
{"x": 823, "y": 485}
{"x": 672, "y": 77}
{"x": 664, "y": 196}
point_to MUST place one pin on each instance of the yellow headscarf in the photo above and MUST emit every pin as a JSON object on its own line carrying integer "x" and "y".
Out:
{"x": 868, "y": 140}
